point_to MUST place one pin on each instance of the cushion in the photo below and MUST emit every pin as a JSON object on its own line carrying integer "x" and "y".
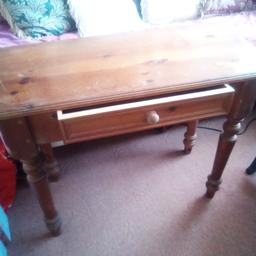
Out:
{"x": 101, "y": 17}
{"x": 37, "y": 18}
{"x": 224, "y": 7}
{"x": 161, "y": 12}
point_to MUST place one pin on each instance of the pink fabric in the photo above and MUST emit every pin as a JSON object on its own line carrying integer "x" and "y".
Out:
{"x": 8, "y": 39}
{"x": 222, "y": 7}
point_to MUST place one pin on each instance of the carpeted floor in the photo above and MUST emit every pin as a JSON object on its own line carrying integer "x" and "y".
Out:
{"x": 138, "y": 195}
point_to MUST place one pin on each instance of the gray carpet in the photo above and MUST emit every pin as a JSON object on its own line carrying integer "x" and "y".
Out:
{"x": 139, "y": 195}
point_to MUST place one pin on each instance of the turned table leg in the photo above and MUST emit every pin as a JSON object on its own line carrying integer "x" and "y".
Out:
{"x": 190, "y": 136}
{"x": 244, "y": 96}
{"x": 50, "y": 163}
{"x": 20, "y": 145}
{"x": 37, "y": 176}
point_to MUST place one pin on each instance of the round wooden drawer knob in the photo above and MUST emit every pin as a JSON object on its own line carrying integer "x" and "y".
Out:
{"x": 153, "y": 117}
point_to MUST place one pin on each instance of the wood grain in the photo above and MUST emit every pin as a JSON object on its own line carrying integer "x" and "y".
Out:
{"x": 67, "y": 74}
{"x": 243, "y": 101}
{"x": 126, "y": 121}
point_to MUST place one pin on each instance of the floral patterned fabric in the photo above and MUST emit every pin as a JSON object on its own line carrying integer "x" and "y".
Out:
{"x": 37, "y": 18}
{"x": 8, "y": 39}
{"x": 222, "y": 7}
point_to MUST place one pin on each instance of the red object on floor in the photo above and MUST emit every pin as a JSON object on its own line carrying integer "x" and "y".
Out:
{"x": 7, "y": 179}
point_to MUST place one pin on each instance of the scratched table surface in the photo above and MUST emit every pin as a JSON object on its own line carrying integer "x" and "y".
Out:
{"x": 85, "y": 72}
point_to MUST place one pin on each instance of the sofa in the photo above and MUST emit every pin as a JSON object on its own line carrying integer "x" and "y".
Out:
{"x": 149, "y": 13}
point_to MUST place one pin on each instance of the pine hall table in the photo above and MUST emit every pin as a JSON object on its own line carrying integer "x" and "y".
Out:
{"x": 71, "y": 91}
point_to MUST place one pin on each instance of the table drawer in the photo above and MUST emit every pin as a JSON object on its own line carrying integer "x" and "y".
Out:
{"x": 110, "y": 120}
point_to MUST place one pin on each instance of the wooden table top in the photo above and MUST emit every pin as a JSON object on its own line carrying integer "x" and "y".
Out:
{"x": 53, "y": 76}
